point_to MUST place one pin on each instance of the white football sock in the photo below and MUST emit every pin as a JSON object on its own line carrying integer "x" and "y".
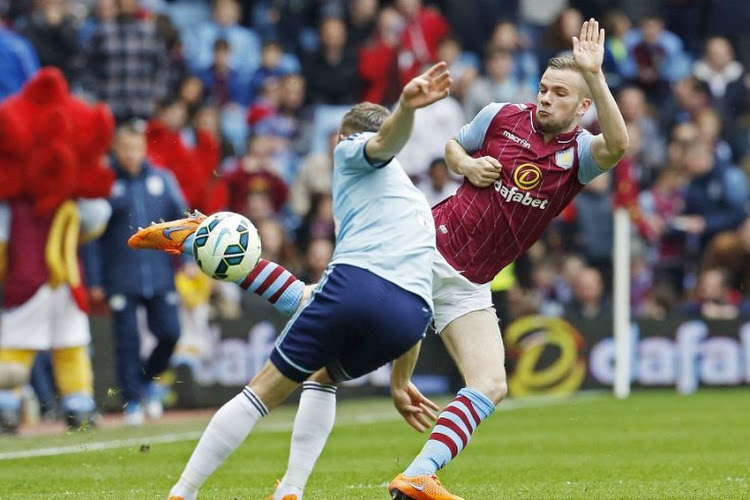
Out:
{"x": 227, "y": 430}
{"x": 312, "y": 426}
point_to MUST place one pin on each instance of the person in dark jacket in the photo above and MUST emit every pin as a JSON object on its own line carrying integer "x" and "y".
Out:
{"x": 130, "y": 279}
{"x": 715, "y": 198}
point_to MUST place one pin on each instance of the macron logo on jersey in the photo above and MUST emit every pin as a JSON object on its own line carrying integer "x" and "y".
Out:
{"x": 516, "y": 139}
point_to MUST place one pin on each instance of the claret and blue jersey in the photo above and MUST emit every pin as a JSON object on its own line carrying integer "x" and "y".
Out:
{"x": 482, "y": 230}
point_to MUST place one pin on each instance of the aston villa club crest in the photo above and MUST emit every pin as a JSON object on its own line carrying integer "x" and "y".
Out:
{"x": 564, "y": 159}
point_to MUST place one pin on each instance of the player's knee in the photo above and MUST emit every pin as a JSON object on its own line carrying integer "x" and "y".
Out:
{"x": 494, "y": 387}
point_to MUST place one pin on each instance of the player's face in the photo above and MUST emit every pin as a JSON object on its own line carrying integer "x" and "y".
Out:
{"x": 559, "y": 101}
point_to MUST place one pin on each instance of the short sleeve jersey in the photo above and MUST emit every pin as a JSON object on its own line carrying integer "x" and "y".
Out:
{"x": 383, "y": 222}
{"x": 482, "y": 230}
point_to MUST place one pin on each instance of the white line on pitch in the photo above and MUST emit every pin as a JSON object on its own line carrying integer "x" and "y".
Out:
{"x": 373, "y": 417}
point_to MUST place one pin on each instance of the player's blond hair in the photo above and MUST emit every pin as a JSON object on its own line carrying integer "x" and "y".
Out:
{"x": 363, "y": 117}
{"x": 567, "y": 62}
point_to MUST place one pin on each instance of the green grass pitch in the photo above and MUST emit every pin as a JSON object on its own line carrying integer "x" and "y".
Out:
{"x": 654, "y": 445}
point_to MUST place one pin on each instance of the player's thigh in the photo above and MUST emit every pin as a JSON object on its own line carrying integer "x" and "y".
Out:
{"x": 476, "y": 345}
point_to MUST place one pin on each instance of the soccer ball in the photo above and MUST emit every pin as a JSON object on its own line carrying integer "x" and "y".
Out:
{"x": 226, "y": 246}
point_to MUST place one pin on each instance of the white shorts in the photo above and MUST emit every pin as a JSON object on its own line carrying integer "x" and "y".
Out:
{"x": 50, "y": 319}
{"x": 453, "y": 295}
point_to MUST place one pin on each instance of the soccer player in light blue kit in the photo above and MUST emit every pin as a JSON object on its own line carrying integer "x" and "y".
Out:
{"x": 374, "y": 303}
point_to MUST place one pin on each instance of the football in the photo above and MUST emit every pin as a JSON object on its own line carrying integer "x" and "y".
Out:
{"x": 226, "y": 246}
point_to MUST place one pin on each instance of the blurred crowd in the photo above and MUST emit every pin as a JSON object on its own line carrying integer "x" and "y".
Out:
{"x": 241, "y": 100}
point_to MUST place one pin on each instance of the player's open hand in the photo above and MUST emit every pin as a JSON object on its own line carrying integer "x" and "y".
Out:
{"x": 430, "y": 86}
{"x": 588, "y": 49}
{"x": 416, "y": 409}
{"x": 482, "y": 172}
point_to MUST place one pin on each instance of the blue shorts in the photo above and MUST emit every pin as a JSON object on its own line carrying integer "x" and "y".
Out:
{"x": 355, "y": 323}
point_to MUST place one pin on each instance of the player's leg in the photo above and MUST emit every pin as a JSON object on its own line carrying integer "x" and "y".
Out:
{"x": 475, "y": 344}
{"x": 268, "y": 279}
{"x": 16, "y": 363}
{"x": 308, "y": 343}
{"x": 313, "y": 424}
{"x": 229, "y": 427}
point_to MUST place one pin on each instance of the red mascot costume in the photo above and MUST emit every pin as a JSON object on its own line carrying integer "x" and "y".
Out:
{"x": 52, "y": 189}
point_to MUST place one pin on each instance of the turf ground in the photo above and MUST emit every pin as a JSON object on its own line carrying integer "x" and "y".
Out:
{"x": 654, "y": 445}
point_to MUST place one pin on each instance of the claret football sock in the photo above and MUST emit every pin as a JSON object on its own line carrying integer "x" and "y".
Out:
{"x": 227, "y": 430}
{"x": 312, "y": 425}
{"x": 275, "y": 284}
{"x": 452, "y": 432}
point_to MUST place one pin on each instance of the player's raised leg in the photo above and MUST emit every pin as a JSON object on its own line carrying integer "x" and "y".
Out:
{"x": 268, "y": 279}
{"x": 480, "y": 359}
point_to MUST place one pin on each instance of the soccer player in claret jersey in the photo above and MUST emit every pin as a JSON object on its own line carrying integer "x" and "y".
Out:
{"x": 385, "y": 246}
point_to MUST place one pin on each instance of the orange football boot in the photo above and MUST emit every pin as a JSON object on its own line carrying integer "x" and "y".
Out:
{"x": 167, "y": 236}
{"x": 419, "y": 488}
{"x": 175, "y": 498}
{"x": 285, "y": 497}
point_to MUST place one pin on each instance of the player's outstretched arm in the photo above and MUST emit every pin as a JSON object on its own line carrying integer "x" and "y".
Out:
{"x": 608, "y": 147}
{"x": 410, "y": 403}
{"x": 421, "y": 91}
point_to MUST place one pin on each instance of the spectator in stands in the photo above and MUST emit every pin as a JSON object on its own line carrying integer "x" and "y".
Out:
{"x": 222, "y": 85}
{"x": 558, "y": 35}
{"x": 525, "y": 61}
{"x": 103, "y": 12}
{"x": 378, "y": 59}
{"x": 256, "y": 174}
{"x": 125, "y": 65}
{"x": 715, "y": 198}
{"x": 18, "y": 60}
{"x": 499, "y": 84}
{"x": 317, "y": 223}
{"x": 130, "y": 279}
{"x": 636, "y": 111}
{"x": 731, "y": 250}
{"x": 361, "y": 17}
{"x": 425, "y": 27}
{"x": 331, "y": 70}
{"x": 438, "y": 185}
{"x": 464, "y": 66}
{"x": 314, "y": 178}
{"x": 270, "y": 67}
{"x": 616, "y": 24}
{"x": 708, "y": 127}
{"x": 590, "y": 302}
{"x": 208, "y": 118}
{"x": 317, "y": 257}
{"x": 656, "y": 58}
{"x": 277, "y": 245}
{"x": 244, "y": 44}
{"x": 690, "y": 96}
{"x": 713, "y": 298}
{"x": 53, "y": 32}
{"x": 190, "y": 91}
{"x": 594, "y": 225}
{"x": 723, "y": 75}
{"x": 659, "y": 206}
